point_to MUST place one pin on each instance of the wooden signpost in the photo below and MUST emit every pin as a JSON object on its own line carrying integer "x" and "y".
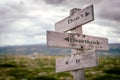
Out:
{"x": 85, "y": 59}
{"x": 76, "y": 41}
{"x": 79, "y": 18}
{"x": 83, "y": 46}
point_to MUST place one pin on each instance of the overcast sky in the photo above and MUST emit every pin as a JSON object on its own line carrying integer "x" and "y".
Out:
{"x": 25, "y": 22}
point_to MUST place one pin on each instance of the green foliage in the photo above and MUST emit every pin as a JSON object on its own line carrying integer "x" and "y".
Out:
{"x": 114, "y": 70}
{"x": 45, "y": 78}
{"x": 7, "y": 65}
{"x": 108, "y": 69}
{"x": 107, "y": 77}
{"x": 110, "y": 74}
{"x": 43, "y": 68}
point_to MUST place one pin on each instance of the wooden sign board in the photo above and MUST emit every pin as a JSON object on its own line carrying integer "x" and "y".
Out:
{"x": 79, "y": 18}
{"x": 76, "y": 41}
{"x": 79, "y": 61}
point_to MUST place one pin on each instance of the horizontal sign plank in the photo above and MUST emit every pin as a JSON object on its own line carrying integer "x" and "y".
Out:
{"x": 83, "y": 60}
{"x": 74, "y": 40}
{"x": 80, "y": 17}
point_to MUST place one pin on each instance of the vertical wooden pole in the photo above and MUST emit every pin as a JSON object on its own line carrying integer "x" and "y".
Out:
{"x": 77, "y": 74}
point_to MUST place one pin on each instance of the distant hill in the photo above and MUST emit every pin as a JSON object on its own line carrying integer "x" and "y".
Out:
{"x": 43, "y": 49}
{"x": 30, "y": 49}
{"x": 114, "y": 50}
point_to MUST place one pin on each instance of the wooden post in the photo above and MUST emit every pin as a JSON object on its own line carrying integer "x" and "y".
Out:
{"x": 77, "y": 74}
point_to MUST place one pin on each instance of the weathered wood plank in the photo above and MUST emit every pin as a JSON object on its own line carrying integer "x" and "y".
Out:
{"x": 79, "y": 61}
{"x": 76, "y": 41}
{"x": 79, "y": 18}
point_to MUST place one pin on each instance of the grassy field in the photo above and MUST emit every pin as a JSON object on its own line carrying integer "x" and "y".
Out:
{"x": 21, "y": 67}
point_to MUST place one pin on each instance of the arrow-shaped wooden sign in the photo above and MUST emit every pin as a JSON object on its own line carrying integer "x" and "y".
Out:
{"x": 79, "y": 18}
{"x": 76, "y": 41}
{"x": 85, "y": 59}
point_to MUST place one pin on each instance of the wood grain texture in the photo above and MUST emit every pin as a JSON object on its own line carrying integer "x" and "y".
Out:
{"x": 79, "y": 74}
{"x": 79, "y": 18}
{"x": 76, "y": 41}
{"x": 79, "y": 61}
